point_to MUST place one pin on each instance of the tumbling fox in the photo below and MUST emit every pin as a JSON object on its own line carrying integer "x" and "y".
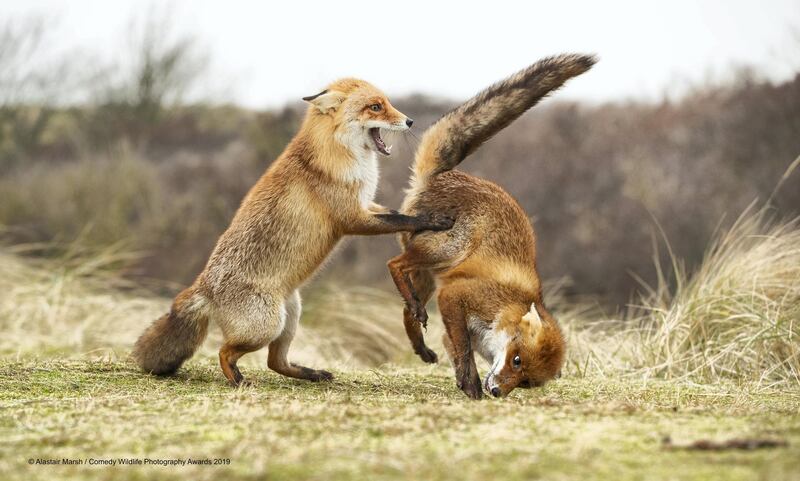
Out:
{"x": 320, "y": 189}
{"x": 490, "y": 295}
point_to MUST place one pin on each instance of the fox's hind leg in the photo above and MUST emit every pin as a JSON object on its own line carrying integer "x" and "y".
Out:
{"x": 401, "y": 269}
{"x": 229, "y": 354}
{"x": 279, "y": 348}
{"x": 424, "y": 285}
{"x": 427, "y": 251}
{"x": 249, "y": 320}
{"x": 412, "y": 273}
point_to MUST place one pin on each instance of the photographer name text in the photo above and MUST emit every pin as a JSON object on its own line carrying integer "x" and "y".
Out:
{"x": 130, "y": 461}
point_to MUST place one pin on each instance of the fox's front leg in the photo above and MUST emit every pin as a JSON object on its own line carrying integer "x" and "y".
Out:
{"x": 455, "y": 322}
{"x": 277, "y": 359}
{"x": 367, "y": 223}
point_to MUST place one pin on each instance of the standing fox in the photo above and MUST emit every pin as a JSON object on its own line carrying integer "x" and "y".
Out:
{"x": 490, "y": 296}
{"x": 320, "y": 189}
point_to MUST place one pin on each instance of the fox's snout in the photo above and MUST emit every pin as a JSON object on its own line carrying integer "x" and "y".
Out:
{"x": 405, "y": 124}
{"x": 397, "y": 120}
{"x": 491, "y": 384}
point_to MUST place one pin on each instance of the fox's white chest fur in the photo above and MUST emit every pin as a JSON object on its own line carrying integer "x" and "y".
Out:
{"x": 364, "y": 171}
{"x": 487, "y": 340}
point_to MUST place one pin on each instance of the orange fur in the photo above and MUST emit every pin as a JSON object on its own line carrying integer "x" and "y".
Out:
{"x": 490, "y": 294}
{"x": 319, "y": 189}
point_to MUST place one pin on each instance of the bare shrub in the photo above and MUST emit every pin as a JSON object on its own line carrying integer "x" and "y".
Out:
{"x": 102, "y": 201}
{"x": 30, "y": 85}
{"x": 592, "y": 178}
{"x": 132, "y": 100}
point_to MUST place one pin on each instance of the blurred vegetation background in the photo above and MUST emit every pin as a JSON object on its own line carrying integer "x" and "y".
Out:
{"x": 98, "y": 155}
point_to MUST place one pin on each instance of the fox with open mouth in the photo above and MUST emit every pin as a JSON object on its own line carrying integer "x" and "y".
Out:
{"x": 320, "y": 189}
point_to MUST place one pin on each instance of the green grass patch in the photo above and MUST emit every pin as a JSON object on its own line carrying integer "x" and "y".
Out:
{"x": 388, "y": 423}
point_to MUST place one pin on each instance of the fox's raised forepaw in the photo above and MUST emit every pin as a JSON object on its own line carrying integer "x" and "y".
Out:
{"x": 437, "y": 222}
{"x": 427, "y": 355}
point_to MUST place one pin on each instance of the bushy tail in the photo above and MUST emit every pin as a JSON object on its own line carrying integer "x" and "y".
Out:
{"x": 174, "y": 337}
{"x": 463, "y": 130}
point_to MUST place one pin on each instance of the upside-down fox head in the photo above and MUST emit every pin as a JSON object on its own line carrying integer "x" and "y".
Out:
{"x": 359, "y": 111}
{"x": 533, "y": 353}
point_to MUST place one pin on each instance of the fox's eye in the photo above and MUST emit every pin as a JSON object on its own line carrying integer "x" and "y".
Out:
{"x": 376, "y": 107}
{"x": 517, "y": 361}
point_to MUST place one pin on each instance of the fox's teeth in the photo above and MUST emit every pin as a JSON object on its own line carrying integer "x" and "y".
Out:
{"x": 389, "y": 148}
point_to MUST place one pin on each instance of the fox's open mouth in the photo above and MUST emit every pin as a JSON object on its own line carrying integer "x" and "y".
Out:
{"x": 375, "y": 133}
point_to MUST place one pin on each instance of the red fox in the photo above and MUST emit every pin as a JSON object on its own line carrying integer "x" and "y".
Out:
{"x": 490, "y": 296}
{"x": 319, "y": 189}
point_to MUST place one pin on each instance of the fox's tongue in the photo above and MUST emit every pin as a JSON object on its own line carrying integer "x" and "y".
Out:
{"x": 375, "y": 133}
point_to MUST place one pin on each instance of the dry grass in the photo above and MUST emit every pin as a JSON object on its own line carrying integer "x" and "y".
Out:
{"x": 74, "y": 305}
{"x": 79, "y": 306}
{"x": 736, "y": 318}
{"x": 714, "y": 358}
{"x": 383, "y": 424}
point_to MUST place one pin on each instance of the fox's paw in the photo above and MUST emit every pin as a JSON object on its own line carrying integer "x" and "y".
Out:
{"x": 436, "y": 222}
{"x": 471, "y": 385}
{"x": 317, "y": 375}
{"x": 472, "y": 390}
{"x": 323, "y": 376}
{"x": 241, "y": 383}
{"x": 427, "y": 355}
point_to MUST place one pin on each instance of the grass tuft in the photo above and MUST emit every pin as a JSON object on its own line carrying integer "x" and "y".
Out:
{"x": 737, "y": 317}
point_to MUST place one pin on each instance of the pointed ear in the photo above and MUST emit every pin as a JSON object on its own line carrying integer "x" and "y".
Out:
{"x": 326, "y": 100}
{"x": 533, "y": 318}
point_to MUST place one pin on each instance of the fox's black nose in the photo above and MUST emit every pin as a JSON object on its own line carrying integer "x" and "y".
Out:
{"x": 409, "y": 122}
{"x": 496, "y": 391}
